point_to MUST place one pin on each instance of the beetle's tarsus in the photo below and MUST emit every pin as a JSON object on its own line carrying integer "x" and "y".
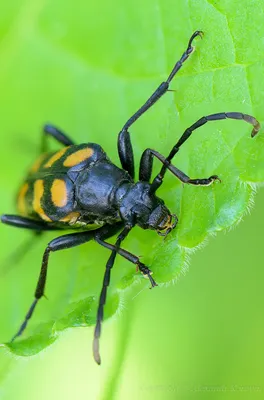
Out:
{"x": 256, "y": 129}
{"x": 96, "y": 353}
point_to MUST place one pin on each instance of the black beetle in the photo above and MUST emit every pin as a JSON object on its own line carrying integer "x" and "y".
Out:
{"x": 79, "y": 188}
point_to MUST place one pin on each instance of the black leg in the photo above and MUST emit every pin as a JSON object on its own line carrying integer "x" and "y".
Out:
{"x": 26, "y": 223}
{"x": 147, "y": 165}
{"x": 125, "y": 149}
{"x": 145, "y": 171}
{"x": 128, "y": 256}
{"x": 126, "y": 154}
{"x": 106, "y": 281}
{"x": 56, "y": 134}
{"x": 76, "y": 239}
{"x": 60, "y": 243}
{"x": 17, "y": 256}
{"x": 66, "y": 242}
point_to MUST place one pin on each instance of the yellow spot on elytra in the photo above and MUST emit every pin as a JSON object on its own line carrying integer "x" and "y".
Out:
{"x": 71, "y": 218}
{"x": 38, "y": 193}
{"x": 37, "y": 163}
{"x": 78, "y": 157}
{"x": 21, "y": 200}
{"x": 59, "y": 193}
{"x": 55, "y": 157}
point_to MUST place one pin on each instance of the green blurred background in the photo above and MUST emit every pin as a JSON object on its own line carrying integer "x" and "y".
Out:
{"x": 86, "y": 67}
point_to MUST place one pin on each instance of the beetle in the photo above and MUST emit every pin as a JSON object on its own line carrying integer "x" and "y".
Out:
{"x": 79, "y": 188}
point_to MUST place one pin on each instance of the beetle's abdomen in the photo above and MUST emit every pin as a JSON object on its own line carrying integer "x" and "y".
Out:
{"x": 68, "y": 159}
{"x": 49, "y": 199}
{"x": 49, "y": 189}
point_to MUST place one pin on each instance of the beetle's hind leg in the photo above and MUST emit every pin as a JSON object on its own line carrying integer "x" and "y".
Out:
{"x": 57, "y": 134}
{"x": 13, "y": 259}
{"x": 26, "y": 223}
{"x": 60, "y": 243}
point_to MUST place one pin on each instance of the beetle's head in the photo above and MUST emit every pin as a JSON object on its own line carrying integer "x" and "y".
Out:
{"x": 161, "y": 220}
{"x": 148, "y": 210}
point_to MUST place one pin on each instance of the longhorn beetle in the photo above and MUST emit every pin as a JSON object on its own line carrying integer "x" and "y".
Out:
{"x": 79, "y": 188}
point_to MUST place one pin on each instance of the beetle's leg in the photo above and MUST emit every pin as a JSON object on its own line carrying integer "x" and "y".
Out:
{"x": 19, "y": 253}
{"x": 128, "y": 256}
{"x": 60, "y": 243}
{"x": 124, "y": 142}
{"x": 125, "y": 151}
{"x": 187, "y": 133}
{"x": 26, "y": 223}
{"x": 106, "y": 281}
{"x": 56, "y": 134}
{"x": 12, "y": 260}
{"x": 146, "y": 164}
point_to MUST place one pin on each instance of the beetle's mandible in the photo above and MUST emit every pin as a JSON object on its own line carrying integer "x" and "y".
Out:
{"x": 79, "y": 188}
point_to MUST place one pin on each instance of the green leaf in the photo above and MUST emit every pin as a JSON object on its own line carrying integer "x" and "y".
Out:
{"x": 88, "y": 71}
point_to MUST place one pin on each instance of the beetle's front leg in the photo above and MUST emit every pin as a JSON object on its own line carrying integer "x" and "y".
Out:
{"x": 125, "y": 149}
{"x": 145, "y": 171}
{"x": 187, "y": 133}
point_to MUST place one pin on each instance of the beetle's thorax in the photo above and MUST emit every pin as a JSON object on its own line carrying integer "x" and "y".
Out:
{"x": 138, "y": 205}
{"x": 96, "y": 188}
